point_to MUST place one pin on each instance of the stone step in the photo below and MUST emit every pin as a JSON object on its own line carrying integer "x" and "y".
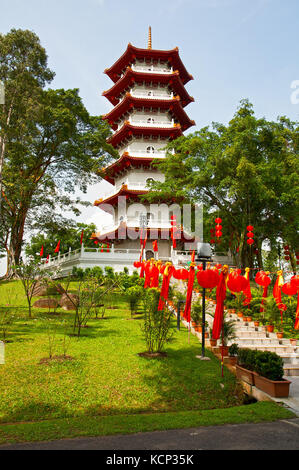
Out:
{"x": 267, "y": 341}
{"x": 291, "y": 370}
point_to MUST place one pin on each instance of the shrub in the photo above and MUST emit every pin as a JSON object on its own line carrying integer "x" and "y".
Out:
{"x": 157, "y": 323}
{"x": 269, "y": 365}
{"x": 265, "y": 363}
{"x": 233, "y": 349}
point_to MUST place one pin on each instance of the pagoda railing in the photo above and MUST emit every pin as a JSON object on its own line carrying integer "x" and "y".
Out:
{"x": 134, "y": 186}
{"x": 144, "y": 153}
{"x": 149, "y": 69}
{"x": 154, "y": 123}
{"x": 151, "y": 95}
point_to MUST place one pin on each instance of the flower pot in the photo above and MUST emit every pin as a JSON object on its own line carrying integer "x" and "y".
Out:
{"x": 293, "y": 341}
{"x": 240, "y": 314}
{"x": 198, "y": 329}
{"x": 223, "y": 350}
{"x": 213, "y": 342}
{"x": 270, "y": 328}
{"x": 274, "y": 388}
{"x": 193, "y": 324}
{"x": 232, "y": 310}
{"x": 249, "y": 318}
{"x": 279, "y": 334}
{"x": 246, "y": 375}
{"x": 214, "y": 302}
{"x": 256, "y": 323}
{"x": 232, "y": 360}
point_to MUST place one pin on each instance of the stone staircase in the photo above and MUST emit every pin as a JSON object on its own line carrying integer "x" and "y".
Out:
{"x": 252, "y": 337}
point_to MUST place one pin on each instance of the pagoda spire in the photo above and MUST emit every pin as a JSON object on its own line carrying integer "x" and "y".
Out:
{"x": 149, "y": 46}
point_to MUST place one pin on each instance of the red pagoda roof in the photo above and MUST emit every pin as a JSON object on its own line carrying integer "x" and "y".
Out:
{"x": 127, "y": 130}
{"x": 130, "y": 102}
{"x": 131, "y": 76}
{"x": 122, "y": 230}
{"x": 112, "y": 200}
{"x": 124, "y": 162}
{"x": 132, "y": 53}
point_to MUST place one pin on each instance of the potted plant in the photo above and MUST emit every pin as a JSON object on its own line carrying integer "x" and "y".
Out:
{"x": 245, "y": 365}
{"x": 196, "y": 315}
{"x": 239, "y": 304}
{"x": 233, "y": 353}
{"x": 228, "y": 334}
{"x": 272, "y": 313}
{"x": 269, "y": 378}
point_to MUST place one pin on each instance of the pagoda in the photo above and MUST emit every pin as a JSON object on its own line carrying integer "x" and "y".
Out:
{"x": 149, "y": 99}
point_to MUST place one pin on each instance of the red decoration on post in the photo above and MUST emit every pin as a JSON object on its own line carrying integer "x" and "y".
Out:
{"x": 208, "y": 278}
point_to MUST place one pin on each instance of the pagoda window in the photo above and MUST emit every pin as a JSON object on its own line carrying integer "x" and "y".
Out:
{"x": 150, "y": 120}
{"x": 150, "y": 149}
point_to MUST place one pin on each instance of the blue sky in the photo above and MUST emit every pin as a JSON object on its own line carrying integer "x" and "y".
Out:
{"x": 234, "y": 49}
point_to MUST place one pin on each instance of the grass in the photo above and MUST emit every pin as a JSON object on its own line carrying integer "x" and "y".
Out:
{"x": 107, "y": 388}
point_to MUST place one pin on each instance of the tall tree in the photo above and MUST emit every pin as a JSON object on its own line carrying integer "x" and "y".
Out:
{"x": 52, "y": 144}
{"x": 245, "y": 172}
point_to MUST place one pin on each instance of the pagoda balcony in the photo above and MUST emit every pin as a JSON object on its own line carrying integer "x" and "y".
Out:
{"x": 134, "y": 222}
{"x": 153, "y": 95}
{"x": 128, "y": 186}
{"x": 154, "y": 123}
{"x": 145, "y": 153}
{"x": 149, "y": 69}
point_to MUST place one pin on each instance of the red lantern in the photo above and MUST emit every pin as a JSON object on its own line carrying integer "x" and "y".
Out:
{"x": 289, "y": 289}
{"x": 218, "y": 220}
{"x": 249, "y": 228}
{"x": 212, "y": 241}
{"x": 218, "y": 227}
{"x": 262, "y": 279}
{"x": 250, "y": 234}
{"x": 218, "y": 233}
{"x": 250, "y": 241}
{"x": 208, "y": 278}
{"x": 181, "y": 274}
{"x": 137, "y": 264}
{"x": 287, "y": 258}
{"x": 295, "y": 281}
{"x": 236, "y": 283}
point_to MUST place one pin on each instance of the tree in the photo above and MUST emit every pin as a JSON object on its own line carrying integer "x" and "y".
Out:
{"x": 65, "y": 230}
{"x": 51, "y": 143}
{"x": 245, "y": 172}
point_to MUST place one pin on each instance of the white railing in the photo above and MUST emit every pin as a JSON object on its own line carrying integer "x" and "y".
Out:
{"x": 150, "y": 69}
{"x": 154, "y": 123}
{"x": 151, "y": 95}
{"x": 144, "y": 153}
{"x": 133, "y": 186}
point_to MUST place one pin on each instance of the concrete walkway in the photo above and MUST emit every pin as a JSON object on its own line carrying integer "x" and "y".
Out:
{"x": 279, "y": 435}
{"x": 292, "y": 401}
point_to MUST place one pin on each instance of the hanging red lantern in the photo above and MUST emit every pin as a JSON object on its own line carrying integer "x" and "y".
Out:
{"x": 218, "y": 220}
{"x": 181, "y": 274}
{"x": 137, "y": 264}
{"x": 289, "y": 289}
{"x": 250, "y": 234}
{"x": 249, "y": 228}
{"x": 250, "y": 241}
{"x": 208, "y": 278}
{"x": 218, "y": 234}
{"x": 287, "y": 258}
{"x": 212, "y": 241}
{"x": 212, "y": 231}
{"x": 236, "y": 283}
{"x": 218, "y": 227}
{"x": 295, "y": 281}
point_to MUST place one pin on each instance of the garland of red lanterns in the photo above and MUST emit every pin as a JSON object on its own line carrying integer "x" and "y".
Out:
{"x": 286, "y": 252}
{"x": 250, "y": 235}
{"x": 218, "y": 229}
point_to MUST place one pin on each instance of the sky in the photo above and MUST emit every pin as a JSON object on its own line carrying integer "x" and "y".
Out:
{"x": 234, "y": 49}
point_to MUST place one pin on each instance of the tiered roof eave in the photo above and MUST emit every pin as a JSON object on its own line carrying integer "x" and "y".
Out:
{"x": 132, "y": 53}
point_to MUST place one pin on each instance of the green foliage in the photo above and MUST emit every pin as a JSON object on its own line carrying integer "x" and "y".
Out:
{"x": 65, "y": 230}
{"x": 233, "y": 349}
{"x": 248, "y": 171}
{"x": 266, "y": 363}
{"x": 229, "y": 331}
{"x": 196, "y": 312}
{"x": 133, "y": 295}
{"x": 157, "y": 323}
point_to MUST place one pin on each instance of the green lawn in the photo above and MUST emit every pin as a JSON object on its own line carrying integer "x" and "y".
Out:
{"x": 107, "y": 381}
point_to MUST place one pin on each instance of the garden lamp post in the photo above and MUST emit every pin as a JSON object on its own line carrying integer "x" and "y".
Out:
{"x": 204, "y": 254}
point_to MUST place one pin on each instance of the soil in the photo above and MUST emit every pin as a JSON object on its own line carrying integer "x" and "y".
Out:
{"x": 149, "y": 355}
{"x": 48, "y": 360}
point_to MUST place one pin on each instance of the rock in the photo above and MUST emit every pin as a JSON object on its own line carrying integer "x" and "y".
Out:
{"x": 42, "y": 290}
{"x": 69, "y": 302}
{"x": 46, "y": 303}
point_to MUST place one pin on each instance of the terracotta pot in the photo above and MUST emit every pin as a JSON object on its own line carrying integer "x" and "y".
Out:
{"x": 270, "y": 328}
{"x": 232, "y": 360}
{"x": 206, "y": 334}
{"x": 223, "y": 350}
{"x": 274, "y": 388}
{"x": 213, "y": 342}
{"x": 293, "y": 341}
{"x": 240, "y": 314}
{"x": 256, "y": 323}
{"x": 279, "y": 334}
{"x": 214, "y": 302}
{"x": 198, "y": 329}
{"x": 232, "y": 310}
{"x": 244, "y": 318}
{"x": 193, "y": 324}
{"x": 246, "y": 375}
{"x": 249, "y": 318}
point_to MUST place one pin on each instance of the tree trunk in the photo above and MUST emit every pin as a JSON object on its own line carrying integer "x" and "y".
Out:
{"x": 15, "y": 246}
